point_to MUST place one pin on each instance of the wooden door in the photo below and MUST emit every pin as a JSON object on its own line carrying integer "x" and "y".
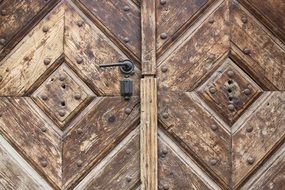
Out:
{"x": 208, "y": 110}
{"x": 221, "y": 81}
{"x": 63, "y": 122}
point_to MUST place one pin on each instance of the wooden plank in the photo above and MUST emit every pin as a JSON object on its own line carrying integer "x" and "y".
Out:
{"x": 118, "y": 170}
{"x": 18, "y": 18}
{"x": 33, "y": 56}
{"x": 174, "y": 17}
{"x": 148, "y": 42}
{"x": 119, "y": 20}
{"x": 94, "y": 133}
{"x": 32, "y": 134}
{"x": 261, "y": 131}
{"x": 201, "y": 134}
{"x": 86, "y": 46}
{"x": 148, "y": 135}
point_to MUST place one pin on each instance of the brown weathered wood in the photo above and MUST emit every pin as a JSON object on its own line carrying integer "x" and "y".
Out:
{"x": 18, "y": 18}
{"x": 173, "y": 17}
{"x": 122, "y": 26}
{"x": 87, "y": 42}
{"x": 98, "y": 129}
{"x": 260, "y": 132}
{"x": 32, "y": 134}
{"x": 25, "y": 64}
{"x": 148, "y": 135}
{"x": 148, "y": 52}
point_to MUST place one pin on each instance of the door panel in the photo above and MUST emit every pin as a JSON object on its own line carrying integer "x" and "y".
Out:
{"x": 62, "y": 113}
{"x": 220, "y": 97}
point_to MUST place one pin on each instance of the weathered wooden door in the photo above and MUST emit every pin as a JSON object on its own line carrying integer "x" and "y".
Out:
{"x": 212, "y": 69}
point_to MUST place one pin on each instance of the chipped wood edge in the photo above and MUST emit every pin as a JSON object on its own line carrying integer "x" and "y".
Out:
{"x": 148, "y": 133}
{"x": 148, "y": 35}
{"x": 23, "y": 164}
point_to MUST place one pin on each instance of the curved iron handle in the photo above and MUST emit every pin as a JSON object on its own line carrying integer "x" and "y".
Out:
{"x": 126, "y": 66}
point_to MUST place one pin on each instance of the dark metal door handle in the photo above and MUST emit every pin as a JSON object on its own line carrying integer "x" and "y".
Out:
{"x": 126, "y": 66}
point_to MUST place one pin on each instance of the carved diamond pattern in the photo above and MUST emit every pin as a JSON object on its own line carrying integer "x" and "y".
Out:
{"x": 62, "y": 95}
{"x": 229, "y": 91}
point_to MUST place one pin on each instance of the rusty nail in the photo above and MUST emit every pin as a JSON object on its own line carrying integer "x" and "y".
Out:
{"x": 247, "y": 91}
{"x": 165, "y": 115}
{"x": 244, "y": 19}
{"x": 128, "y": 151}
{"x": 213, "y": 162}
{"x": 61, "y": 113}
{"x": 164, "y": 69}
{"x": 126, "y": 39}
{"x": 129, "y": 179}
{"x": 231, "y": 107}
{"x": 128, "y": 110}
{"x": 45, "y": 29}
{"x": 2, "y": 41}
{"x": 79, "y": 23}
{"x": 3, "y": 12}
{"x": 249, "y": 129}
{"x": 230, "y": 73}
{"x": 211, "y": 21}
{"x": 43, "y": 129}
{"x": 44, "y": 97}
{"x": 126, "y": 8}
{"x": 162, "y": 2}
{"x": 214, "y": 127}
{"x": 246, "y": 51}
{"x": 163, "y": 35}
{"x": 46, "y": 61}
{"x": 44, "y": 163}
{"x": 79, "y": 163}
{"x": 250, "y": 160}
{"x": 79, "y": 60}
{"x": 77, "y": 96}
{"x": 212, "y": 90}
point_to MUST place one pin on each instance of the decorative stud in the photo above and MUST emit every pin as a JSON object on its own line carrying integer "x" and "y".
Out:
{"x": 211, "y": 21}
{"x": 246, "y": 51}
{"x": 79, "y": 60}
{"x": 231, "y": 107}
{"x": 126, "y": 8}
{"x": 163, "y": 35}
{"x": 129, "y": 179}
{"x": 2, "y": 41}
{"x": 213, "y": 162}
{"x": 46, "y": 61}
{"x": 249, "y": 129}
{"x": 165, "y": 187}
{"x": 214, "y": 127}
{"x": 43, "y": 129}
{"x": 61, "y": 78}
{"x": 45, "y": 29}
{"x": 244, "y": 19}
{"x": 247, "y": 91}
{"x": 79, "y": 163}
{"x": 164, "y": 151}
{"x": 162, "y": 2}
{"x": 211, "y": 57}
{"x": 164, "y": 69}
{"x": 128, "y": 151}
{"x": 79, "y": 131}
{"x": 44, "y": 163}
{"x": 128, "y": 110}
{"x": 126, "y": 39}
{"x": 212, "y": 90}
{"x": 111, "y": 119}
{"x": 3, "y": 12}
{"x": 77, "y": 96}
{"x": 61, "y": 113}
{"x": 80, "y": 23}
{"x": 44, "y": 97}
{"x": 230, "y": 73}
{"x": 250, "y": 160}
{"x": 165, "y": 115}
